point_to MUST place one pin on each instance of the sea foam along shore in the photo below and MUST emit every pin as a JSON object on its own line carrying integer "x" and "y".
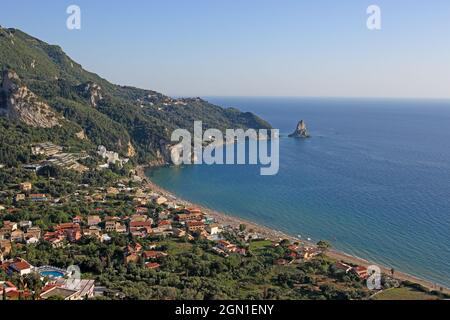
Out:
{"x": 228, "y": 220}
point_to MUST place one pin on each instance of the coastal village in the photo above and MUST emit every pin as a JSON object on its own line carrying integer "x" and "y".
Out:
{"x": 152, "y": 218}
{"x": 172, "y": 221}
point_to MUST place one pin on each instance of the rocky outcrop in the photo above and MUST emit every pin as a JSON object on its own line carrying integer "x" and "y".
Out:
{"x": 93, "y": 92}
{"x": 17, "y": 102}
{"x": 131, "y": 152}
{"x": 81, "y": 135}
{"x": 301, "y": 131}
{"x": 163, "y": 155}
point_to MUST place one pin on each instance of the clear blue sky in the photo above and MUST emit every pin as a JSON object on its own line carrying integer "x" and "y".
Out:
{"x": 253, "y": 47}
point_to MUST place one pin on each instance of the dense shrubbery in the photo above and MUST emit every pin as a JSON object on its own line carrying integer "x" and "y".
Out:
{"x": 16, "y": 140}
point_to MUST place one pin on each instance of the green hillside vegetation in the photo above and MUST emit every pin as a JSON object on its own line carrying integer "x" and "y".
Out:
{"x": 122, "y": 114}
{"x": 405, "y": 293}
{"x": 17, "y": 137}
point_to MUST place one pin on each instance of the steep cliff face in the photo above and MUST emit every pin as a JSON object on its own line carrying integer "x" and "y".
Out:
{"x": 81, "y": 135}
{"x": 301, "y": 131}
{"x": 19, "y": 103}
{"x": 131, "y": 153}
{"x": 93, "y": 92}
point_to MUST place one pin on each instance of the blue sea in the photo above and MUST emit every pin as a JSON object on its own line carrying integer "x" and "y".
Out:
{"x": 374, "y": 179}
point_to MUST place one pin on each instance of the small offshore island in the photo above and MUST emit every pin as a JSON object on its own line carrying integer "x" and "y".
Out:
{"x": 301, "y": 131}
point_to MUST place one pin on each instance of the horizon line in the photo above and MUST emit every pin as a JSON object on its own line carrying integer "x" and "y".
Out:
{"x": 447, "y": 99}
{"x": 443, "y": 99}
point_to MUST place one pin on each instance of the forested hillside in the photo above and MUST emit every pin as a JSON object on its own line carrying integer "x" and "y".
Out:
{"x": 134, "y": 122}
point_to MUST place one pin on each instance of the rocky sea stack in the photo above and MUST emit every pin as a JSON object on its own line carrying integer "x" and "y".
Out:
{"x": 301, "y": 131}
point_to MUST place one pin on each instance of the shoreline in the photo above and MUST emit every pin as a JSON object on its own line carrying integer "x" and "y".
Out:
{"x": 269, "y": 233}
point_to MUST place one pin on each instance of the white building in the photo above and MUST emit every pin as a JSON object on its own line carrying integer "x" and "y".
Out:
{"x": 21, "y": 266}
{"x": 111, "y": 157}
{"x": 213, "y": 229}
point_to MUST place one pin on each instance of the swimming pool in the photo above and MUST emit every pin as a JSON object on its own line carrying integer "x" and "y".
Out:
{"x": 52, "y": 274}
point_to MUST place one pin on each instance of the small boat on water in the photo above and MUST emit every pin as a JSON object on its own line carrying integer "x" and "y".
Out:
{"x": 309, "y": 239}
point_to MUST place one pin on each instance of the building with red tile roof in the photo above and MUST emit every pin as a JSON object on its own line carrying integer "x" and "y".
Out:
{"x": 151, "y": 254}
{"x": 20, "y": 266}
{"x": 152, "y": 265}
{"x": 182, "y": 217}
{"x": 7, "y": 286}
{"x": 193, "y": 226}
{"x": 192, "y": 210}
{"x": 361, "y": 272}
{"x": 65, "y": 226}
{"x": 93, "y": 220}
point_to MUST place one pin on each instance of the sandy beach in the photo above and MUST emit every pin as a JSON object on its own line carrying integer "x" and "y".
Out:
{"x": 228, "y": 220}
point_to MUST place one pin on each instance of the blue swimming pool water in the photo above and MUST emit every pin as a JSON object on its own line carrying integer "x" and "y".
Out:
{"x": 52, "y": 274}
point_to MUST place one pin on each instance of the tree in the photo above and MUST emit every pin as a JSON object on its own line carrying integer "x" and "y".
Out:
{"x": 33, "y": 282}
{"x": 324, "y": 245}
{"x": 285, "y": 243}
{"x": 242, "y": 227}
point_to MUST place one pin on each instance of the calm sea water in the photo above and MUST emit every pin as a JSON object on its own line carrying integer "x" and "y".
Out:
{"x": 374, "y": 180}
